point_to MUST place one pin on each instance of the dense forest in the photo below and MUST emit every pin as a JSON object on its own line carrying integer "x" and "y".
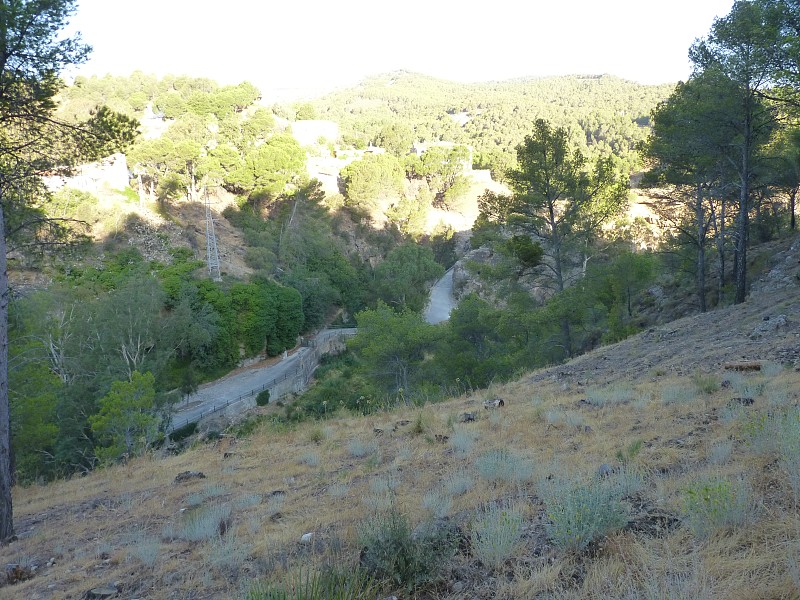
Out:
{"x": 99, "y": 356}
{"x": 606, "y": 116}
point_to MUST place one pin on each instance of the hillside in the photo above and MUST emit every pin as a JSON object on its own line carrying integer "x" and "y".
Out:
{"x": 698, "y": 456}
{"x": 606, "y": 115}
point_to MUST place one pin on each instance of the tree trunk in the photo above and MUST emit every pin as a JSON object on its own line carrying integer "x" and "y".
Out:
{"x": 718, "y": 221}
{"x": 6, "y": 510}
{"x": 743, "y": 224}
{"x": 566, "y": 332}
{"x": 701, "y": 248}
{"x": 792, "y": 202}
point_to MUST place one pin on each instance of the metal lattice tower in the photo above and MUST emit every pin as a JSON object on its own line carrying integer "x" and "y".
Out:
{"x": 212, "y": 254}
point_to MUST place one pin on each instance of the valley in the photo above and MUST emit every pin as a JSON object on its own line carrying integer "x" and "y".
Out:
{"x": 412, "y": 338}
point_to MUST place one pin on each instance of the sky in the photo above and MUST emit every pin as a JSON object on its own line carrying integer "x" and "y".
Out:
{"x": 301, "y": 47}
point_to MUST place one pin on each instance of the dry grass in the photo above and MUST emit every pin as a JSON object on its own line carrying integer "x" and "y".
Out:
{"x": 113, "y": 525}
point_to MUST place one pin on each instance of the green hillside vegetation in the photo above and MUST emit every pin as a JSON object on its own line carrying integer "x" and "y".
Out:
{"x": 659, "y": 466}
{"x": 599, "y": 479}
{"x": 607, "y": 116}
{"x": 300, "y": 246}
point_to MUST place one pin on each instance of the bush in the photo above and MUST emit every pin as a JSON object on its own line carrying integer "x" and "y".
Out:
{"x": 462, "y": 440}
{"x": 263, "y": 398}
{"x": 203, "y": 523}
{"x": 610, "y": 396}
{"x": 496, "y": 534}
{"x": 312, "y": 459}
{"x": 438, "y": 503}
{"x": 577, "y": 515}
{"x": 359, "y": 448}
{"x": 390, "y": 550}
{"x": 503, "y": 465}
{"x": 711, "y": 504}
{"x": 328, "y": 584}
{"x": 746, "y": 386}
{"x": 145, "y": 550}
{"x": 705, "y": 383}
{"x": 678, "y": 394}
{"x": 457, "y": 484}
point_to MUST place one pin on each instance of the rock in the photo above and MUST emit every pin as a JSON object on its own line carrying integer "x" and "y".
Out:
{"x": 741, "y": 402}
{"x": 16, "y": 573}
{"x": 467, "y": 417}
{"x": 104, "y": 591}
{"x": 307, "y": 538}
{"x": 457, "y": 587}
{"x": 441, "y": 438}
{"x": 768, "y": 326}
{"x": 605, "y": 470}
{"x": 189, "y": 475}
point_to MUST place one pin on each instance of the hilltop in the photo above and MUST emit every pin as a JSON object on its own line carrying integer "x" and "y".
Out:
{"x": 688, "y": 442}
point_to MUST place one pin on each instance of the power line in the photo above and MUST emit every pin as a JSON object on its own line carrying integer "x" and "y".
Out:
{"x": 212, "y": 253}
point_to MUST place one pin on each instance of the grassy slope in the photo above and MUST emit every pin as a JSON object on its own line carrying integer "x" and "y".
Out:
{"x": 113, "y": 526}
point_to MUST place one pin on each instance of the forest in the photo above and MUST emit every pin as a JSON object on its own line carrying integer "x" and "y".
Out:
{"x": 98, "y": 357}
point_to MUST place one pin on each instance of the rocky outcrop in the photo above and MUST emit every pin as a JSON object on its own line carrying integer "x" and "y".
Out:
{"x": 469, "y": 276}
{"x": 467, "y": 272}
{"x": 784, "y": 274}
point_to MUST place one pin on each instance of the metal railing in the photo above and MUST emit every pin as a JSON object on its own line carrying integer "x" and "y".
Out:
{"x": 308, "y": 365}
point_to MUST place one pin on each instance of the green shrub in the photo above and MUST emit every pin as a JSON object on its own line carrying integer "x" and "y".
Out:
{"x": 678, "y": 394}
{"x": 629, "y": 454}
{"x": 145, "y": 550}
{"x": 610, "y": 396}
{"x": 263, "y": 398}
{"x": 577, "y": 515}
{"x": 705, "y": 383}
{"x": 312, "y": 459}
{"x": 625, "y": 481}
{"x": 316, "y": 435}
{"x": 438, "y": 503}
{"x": 359, "y": 448}
{"x": 328, "y": 584}
{"x": 762, "y": 432}
{"x": 462, "y": 440}
{"x": 720, "y": 452}
{"x": 228, "y": 554}
{"x": 457, "y": 484}
{"x": 392, "y": 552}
{"x": 503, "y": 465}
{"x": 496, "y": 534}
{"x": 778, "y": 433}
{"x": 748, "y": 386}
{"x": 203, "y": 523}
{"x": 771, "y": 369}
{"x": 711, "y": 504}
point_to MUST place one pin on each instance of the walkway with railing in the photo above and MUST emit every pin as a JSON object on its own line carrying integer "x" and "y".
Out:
{"x": 287, "y": 382}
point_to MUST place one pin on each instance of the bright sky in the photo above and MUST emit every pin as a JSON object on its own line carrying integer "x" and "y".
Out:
{"x": 320, "y": 44}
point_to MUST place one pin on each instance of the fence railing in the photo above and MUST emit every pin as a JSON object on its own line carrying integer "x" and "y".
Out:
{"x": 308, "y": 364}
